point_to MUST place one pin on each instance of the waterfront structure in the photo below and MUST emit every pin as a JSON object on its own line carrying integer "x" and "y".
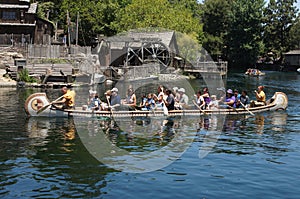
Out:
{"x": 292, "y": 60}
{"x": 20, "y": 24}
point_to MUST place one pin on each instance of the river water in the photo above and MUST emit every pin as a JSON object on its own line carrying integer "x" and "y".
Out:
{"x": 251, "y": 156}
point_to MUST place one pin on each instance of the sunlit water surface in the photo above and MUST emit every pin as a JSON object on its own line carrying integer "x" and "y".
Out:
{"x": 252, "y": 157}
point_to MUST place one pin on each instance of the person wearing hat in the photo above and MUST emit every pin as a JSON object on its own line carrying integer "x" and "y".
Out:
{"x": 184, "y": 99}
{"x": 115, "y": 99}
{"x": 229, "y": 101}
{"x": 214, "y": 103}
{"x": 176, "y": 94}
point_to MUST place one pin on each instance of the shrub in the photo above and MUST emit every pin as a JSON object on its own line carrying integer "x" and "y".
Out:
{"x": 24, "y": 76}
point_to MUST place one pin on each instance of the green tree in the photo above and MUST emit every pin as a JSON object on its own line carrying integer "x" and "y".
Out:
{"x": 280, "y": 16}
{"x": 44, "y": 9}
{"x": 158, "y": 13}
{"x": 192, "y": 5}
{"x": 244, "y": 39}
{"x": 95, "y": 17}
{"x": 295, "y": 35}
{"x": 215, "y": 26}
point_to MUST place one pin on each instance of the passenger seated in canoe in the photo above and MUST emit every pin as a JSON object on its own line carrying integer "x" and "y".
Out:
{"x": 206, "y": 96}
{"x": 104, "y": 105}
{"x": 221, "y": 95}
{"x": 91, "y": 96}
{"x": 170, "y": 101}
{"x": 199, "y": 100}
{"x": 229, "y": 101}
{"x": 248, "y": 71}
{"x": 148, "y": 103}
{"x": 237, "y": 96}
{"x": 243, "y": 100}
{"x": 260, "y": 97}
{"x": 214, "y": 103}
{"x": 68, "y": 99}
{"x": 94, "y": 101}
{"x": 159, "y": 97}
{"x": 115, "y": 99}
{"x": 176, "y": 94}
{"x": 130, "y": 100}
{"x": 184, "y": 99}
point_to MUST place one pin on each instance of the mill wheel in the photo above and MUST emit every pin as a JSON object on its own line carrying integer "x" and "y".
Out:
{"x": 149, "y": 52}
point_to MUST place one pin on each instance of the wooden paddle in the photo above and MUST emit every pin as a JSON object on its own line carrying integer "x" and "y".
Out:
{"x": 110, "y": 108}
{"x": 46, "y": 106}
{"x": 247, "y": 109}
{"x": 199, "y": 107}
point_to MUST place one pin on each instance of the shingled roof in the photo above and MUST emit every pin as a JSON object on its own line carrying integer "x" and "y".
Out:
{"x": 136, "y": 38}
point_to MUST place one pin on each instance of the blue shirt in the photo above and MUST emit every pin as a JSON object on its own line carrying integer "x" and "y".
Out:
{"x": 115, "y": 100}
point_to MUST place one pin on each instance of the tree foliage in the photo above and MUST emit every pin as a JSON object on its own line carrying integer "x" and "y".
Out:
{"x": 280, "y": 17}
{"x": 215, "y": 25}
{"x": 146, "y": 13}
{"x": 44, "y": 9}
{"x": 244, "y": 38}
{"x": 238, "y": 30}
{"x": 295, "y": 35}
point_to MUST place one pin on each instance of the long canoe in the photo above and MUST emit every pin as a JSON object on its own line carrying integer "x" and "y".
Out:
{"x": 36, "y": 101}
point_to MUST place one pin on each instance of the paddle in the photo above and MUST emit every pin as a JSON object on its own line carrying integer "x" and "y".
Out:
{"x": 46, "y": 106}
{"x": 199, "y": 107}
{"x": 110, "y": 108}
{"x": 247, "y": 109}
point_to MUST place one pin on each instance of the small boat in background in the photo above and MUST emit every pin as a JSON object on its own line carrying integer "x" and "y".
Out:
{"x": 298, "y": 70}
{"x": 254, "y": 72}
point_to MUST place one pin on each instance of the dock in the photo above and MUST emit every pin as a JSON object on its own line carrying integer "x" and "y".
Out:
{"x": 210, "y": 68}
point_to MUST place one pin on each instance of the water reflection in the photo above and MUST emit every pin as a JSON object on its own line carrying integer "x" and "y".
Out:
{"x": 38, "y": 127}
{"x": 259, "y": 122}
{"x": 278, "y": 120}
{"x": 58, "y": 158}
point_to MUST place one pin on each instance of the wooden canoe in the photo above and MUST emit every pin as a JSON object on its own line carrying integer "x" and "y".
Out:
{"x": 36, "y": 101}
{"x": 256, "y": 73}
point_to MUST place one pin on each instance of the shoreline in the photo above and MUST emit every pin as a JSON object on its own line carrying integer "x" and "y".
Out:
{"x": 6, "y": 82}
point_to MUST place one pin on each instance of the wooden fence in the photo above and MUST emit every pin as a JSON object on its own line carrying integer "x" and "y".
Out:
{"x": 56, "y": 51}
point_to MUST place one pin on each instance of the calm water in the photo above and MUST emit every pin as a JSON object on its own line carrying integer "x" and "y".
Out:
{"x": 252, "y": 156}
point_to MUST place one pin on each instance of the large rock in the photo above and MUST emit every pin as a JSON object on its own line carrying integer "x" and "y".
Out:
{"x": 7, "y": 58}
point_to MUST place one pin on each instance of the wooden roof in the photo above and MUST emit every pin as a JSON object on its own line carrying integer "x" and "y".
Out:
{"x": 136, "y": 38}
{"x": 293, "y": 52}
{"x": 33, "y": 8}
{"x": 14, "y": 6}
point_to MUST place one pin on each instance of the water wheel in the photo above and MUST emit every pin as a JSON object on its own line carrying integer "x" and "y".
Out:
{"x": 150, "y": 51}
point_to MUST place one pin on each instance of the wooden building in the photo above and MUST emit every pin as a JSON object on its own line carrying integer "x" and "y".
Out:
{"x": 19, "y": 21}
{"x": 137, "y": 48}
{"x": 292, "y": 58}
